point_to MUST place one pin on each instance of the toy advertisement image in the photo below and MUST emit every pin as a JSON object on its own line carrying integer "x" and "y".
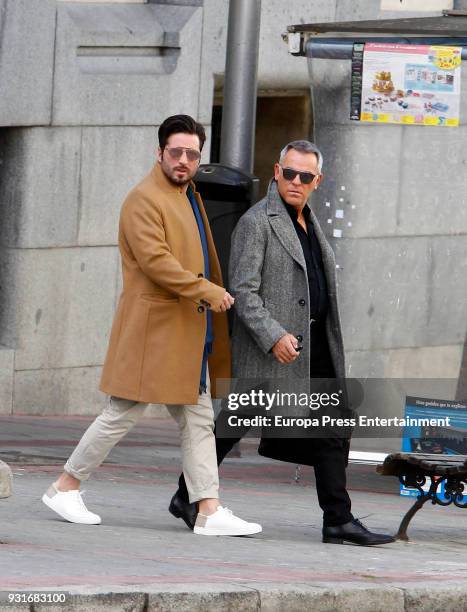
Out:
{"x": 411, "y": 84}
{"x": 446, "y": 440}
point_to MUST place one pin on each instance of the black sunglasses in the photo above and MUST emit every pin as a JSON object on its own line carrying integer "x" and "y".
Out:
{"x": 305, "y": 177}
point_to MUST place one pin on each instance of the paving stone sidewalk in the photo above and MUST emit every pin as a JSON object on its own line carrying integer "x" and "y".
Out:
{"x": 141, "y": 558}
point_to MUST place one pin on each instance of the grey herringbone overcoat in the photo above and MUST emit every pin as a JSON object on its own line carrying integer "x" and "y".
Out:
{"x": 269, "y": 282}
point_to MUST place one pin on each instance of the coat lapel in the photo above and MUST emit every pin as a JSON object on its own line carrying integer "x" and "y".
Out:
{"x": 282, "y": 225}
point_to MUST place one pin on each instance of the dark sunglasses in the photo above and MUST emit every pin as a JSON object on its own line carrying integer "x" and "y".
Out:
{"x": 305, "y": 177}
{"x": 191, "y": 154}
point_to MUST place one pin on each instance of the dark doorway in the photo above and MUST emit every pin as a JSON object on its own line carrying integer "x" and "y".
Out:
{"x": 280, "y": 118}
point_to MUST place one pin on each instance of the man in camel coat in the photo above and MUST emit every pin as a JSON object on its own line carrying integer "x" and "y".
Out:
{"x": 169, "y": 340}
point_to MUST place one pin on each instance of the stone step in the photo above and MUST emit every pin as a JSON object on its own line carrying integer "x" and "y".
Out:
{"x": 6, "y": 480}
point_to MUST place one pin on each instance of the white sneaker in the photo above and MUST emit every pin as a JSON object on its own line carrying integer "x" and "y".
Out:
{"x": 70, "y": 506}
{"x": 224, "y": 522}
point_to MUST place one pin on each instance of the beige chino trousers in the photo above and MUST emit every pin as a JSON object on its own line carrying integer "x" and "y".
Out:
{"x": 196, "y": 425}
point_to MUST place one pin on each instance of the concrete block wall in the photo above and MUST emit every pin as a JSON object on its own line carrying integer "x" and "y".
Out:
{"x": 86, "y": 90}
{"x": 88, "y": 84}
{"x": 113, "y": 73}
{"x": 60, "y": 270}
{"x": 113, "y": 68}
{"x": 403, "y": 258}
{"x": 27, "y": 30}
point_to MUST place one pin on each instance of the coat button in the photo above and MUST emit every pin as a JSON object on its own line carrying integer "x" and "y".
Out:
{"x": 200, "y": 308}
{"x": 299, "y": 338}
{"x": 302, "y": 302}
{"x": 200, "y": 275}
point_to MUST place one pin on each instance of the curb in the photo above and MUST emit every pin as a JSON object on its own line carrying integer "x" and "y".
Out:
{"x": 6, "y": 480}
{"x": 257, "y": 598}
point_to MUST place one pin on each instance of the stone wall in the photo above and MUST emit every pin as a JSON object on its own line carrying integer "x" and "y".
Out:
{"x": 403, "y": 251}
{"x": 88, "y": 84}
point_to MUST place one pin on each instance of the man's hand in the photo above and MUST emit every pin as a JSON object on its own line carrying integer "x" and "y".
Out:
{"x": 284, "y": 349}
{"x": 226, "y": 304}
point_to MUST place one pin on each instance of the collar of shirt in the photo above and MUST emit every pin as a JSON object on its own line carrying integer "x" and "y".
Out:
{"x": 293, "y": 213}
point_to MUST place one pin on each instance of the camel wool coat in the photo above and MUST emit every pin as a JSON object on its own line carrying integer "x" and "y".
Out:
{"x": 157, "y": 339}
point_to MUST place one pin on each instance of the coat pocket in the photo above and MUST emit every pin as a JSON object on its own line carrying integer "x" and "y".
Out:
{"x": 158, "y": 298}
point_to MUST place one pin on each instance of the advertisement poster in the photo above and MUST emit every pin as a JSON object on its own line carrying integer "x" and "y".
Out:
{"x": 410, "y": 84}
{"x": 437, "y": 440}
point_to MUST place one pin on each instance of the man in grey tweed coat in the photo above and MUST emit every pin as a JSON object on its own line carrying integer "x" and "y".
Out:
{"x": 283, "y": 277}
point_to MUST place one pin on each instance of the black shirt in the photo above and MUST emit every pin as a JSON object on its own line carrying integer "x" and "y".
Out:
{"x": 317, "y": 288}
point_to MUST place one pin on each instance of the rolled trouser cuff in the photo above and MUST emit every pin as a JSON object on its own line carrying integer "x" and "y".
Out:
{"x": 72, "y": 472}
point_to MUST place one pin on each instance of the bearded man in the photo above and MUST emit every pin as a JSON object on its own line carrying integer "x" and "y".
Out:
{"x": 169, "y": 341}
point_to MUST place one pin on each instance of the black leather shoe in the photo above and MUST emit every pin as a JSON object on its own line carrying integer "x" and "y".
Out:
{"x": 183, "y": 509}
{"x": 354, "y": 532}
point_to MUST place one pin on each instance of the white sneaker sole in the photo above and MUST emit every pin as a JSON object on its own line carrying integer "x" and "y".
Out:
{"x": 49, "y": 503}
{"x": 210, "y": 531}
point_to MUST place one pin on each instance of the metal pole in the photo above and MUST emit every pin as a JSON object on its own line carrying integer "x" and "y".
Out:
{"x": 241, "y": 72}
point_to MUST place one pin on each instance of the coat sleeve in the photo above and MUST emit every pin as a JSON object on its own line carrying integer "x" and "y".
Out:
{"x": 143, "y": 229}
{"x": 247, "y": 254}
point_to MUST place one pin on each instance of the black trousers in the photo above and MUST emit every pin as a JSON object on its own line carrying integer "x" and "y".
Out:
{"x": 329, "y": 455}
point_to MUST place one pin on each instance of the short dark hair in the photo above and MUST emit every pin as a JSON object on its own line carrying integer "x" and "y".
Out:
{"x": 177, "y": 124}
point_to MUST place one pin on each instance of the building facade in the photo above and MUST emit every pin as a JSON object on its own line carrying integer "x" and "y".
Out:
{"x": 84, "y": 87}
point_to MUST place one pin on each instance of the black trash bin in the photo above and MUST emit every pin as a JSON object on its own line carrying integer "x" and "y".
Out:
{"x": 227, "y": 193}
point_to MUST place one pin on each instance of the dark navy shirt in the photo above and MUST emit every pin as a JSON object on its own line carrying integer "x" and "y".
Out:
{"x": 204, "y": 243}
